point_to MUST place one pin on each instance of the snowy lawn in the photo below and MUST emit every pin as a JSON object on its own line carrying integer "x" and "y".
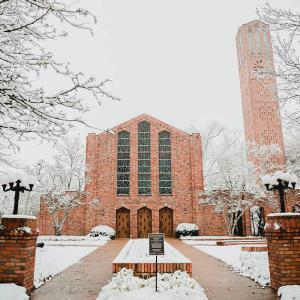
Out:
{"x": 61, "y": 252}
{"x": 137, "y": 251}
{"x": 174, "y": 286}
{"x": 74, "y": 240}
{"x": 250, "y": 264}
{"x": 10, "y": 291}
{"x": 289, "y": 292}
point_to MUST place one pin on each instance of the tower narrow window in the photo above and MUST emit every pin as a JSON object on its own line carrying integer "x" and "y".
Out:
{"x": 241, "y": 47}
{"x": 123, "y": 163}
{"x": 266, "y": 42}
{"x": 258, "y": 40}
{"x": 165, "y": 167}
{"x": 144, "y": 158}
{"x": 250, "y": 41}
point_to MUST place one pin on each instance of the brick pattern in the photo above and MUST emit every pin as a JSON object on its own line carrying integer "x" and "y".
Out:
{"x": 261, "y": 113}
{"x": 254, "y": 248}
{"x": 17, "y": 251}
{"x": 283, "y": 237}
{"x": 101, "y": 160}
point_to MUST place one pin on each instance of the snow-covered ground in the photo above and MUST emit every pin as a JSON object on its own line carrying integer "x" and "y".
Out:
{"x": 10, "y": 291}
{"x": 65, "y": 240}
{"x": 176, "y": 286}
{"x": 61, "y": 252}
{"x": 137, "y": 250}
{"x": 289, "y": 292}
{"x": 214, "y": 237}
{"x": 250, "y": 264}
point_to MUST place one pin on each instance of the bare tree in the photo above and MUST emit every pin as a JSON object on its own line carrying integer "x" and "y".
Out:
{"x": 215, "y": 142}
{"x": 61, "y": 182}
{"x": 292, "y": 147}
{"x": 235, "y": 186}
{"x": 27, "y": 110}
{"x": 285, "y": 26}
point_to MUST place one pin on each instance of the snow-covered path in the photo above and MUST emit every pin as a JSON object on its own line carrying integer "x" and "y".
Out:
{"x": 219, "y": 282}
{"x": 84, "y": 279}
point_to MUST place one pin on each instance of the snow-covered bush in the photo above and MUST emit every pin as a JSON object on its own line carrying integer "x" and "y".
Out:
{"x": 124, "y": 285}
{"x": 186, "y": 229}
{"x": 103, "y": 230}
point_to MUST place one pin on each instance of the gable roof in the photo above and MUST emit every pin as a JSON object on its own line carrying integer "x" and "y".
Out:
{"x": 150, "y": 119}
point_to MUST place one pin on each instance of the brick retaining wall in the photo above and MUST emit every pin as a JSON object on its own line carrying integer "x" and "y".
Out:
{"x": 17, "y": 251}
{"x": 283, "y": 237}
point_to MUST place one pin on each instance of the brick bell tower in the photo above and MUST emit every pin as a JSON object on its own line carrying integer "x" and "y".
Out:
{"x": 262, "y": 121}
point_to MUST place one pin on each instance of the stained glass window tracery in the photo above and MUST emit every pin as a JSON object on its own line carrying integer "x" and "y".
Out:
{"x": 144, "y": 158}
{"x": 123, "y": 163}
{"x": 165, "y": 166}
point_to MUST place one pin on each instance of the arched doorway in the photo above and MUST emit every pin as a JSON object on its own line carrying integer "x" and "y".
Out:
{"x": 166, "y": 221}
{"x": 123, "y": 222}
{"x": 257, "y": 220}
{"x": 144, "y": 222}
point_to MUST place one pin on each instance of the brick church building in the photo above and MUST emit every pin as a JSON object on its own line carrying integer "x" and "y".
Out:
{"x": 148, "y": 175}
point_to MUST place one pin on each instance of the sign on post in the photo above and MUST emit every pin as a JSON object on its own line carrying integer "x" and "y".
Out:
{"x": 156, "y": 244}
{"x": 156, "y": 247}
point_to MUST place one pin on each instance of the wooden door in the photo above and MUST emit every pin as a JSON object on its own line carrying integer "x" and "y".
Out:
{"x": 144, "y": 222}
{"x": 123, "y": 223}
{"x": 166, "y": 221}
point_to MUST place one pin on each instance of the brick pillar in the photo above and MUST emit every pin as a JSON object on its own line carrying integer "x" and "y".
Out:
{"x": 18, "y": 236}
{"x": 282, "y": 231}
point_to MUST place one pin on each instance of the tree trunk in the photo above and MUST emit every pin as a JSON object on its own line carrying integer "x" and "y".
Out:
{"x": 57, "y": 231}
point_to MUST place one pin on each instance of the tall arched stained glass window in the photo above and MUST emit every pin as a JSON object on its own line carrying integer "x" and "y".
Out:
{"x": 123, "y": 163}
{"x": 144, "y": 158}
{"x": 165, "y": 166}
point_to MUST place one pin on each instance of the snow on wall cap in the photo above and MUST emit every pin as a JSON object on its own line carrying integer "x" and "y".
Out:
{"x": 284, "y": 214}
{"x": 20, "y": 217}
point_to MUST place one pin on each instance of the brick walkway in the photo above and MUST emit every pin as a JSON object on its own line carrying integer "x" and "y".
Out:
{"x": 84, "y": 279}
{"x": 218, "y": 281}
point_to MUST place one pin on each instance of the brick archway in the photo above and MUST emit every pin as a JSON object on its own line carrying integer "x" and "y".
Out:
{"x": 123, "y": 222}
{"x": 144, "y": 222}
{"x": 166, "y": 221}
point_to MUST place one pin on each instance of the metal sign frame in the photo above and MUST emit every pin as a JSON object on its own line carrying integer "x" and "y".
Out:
{"x": 156, "y": 244}
{"x": 156, "y": 247}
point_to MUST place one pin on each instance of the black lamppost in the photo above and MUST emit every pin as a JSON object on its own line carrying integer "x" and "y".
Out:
{"x": 280, "y": 182}
{"x": 17, "y": 188}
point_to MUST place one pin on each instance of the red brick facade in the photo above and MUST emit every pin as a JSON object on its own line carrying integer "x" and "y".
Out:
{"x": 187, "y": 182}
{"x": 17, "y": 251}
{"x": 261, "y": 113}
{"x": 187, "y": 177}
{"x": 283, "y": 236}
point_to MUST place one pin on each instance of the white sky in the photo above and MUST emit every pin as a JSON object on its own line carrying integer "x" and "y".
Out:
{"x": 175, "y": 60}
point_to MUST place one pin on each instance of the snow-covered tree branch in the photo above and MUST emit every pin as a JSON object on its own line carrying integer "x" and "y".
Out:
{"x": 235, "y": 185}
{"x": 27, "y": 110}
{"x": 285, "y": 27}
{"x": 61, "y": 182}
